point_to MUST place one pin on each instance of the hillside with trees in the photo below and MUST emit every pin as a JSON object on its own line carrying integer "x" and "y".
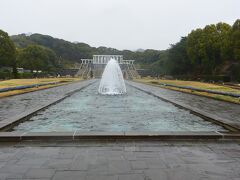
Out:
{"x": 210, "y": 53}
{"x": 35, "y": 57}
{"x": 73, "y": 52}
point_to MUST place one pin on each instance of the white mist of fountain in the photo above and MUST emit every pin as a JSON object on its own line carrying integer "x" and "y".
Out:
{"x": 112, "y": 82}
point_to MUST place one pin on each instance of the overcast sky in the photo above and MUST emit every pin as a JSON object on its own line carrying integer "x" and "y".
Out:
{"x": 122, "y": 24}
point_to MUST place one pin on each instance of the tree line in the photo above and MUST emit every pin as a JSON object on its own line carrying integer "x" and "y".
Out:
{"x": 211, "y": 51}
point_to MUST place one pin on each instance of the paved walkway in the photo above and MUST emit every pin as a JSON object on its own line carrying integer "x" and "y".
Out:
{"x": 15, "y": 105}
{"x": 227, "y": 112}
{"x": 121, "y": 161}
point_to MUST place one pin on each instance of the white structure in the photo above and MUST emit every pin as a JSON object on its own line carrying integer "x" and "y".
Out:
{"x": 94, "y": 67}
{"x": 103, "y": 59}
{"x": 86, "y": 61}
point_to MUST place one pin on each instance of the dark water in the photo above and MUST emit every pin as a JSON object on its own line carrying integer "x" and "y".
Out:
{"x": 137, "y": 111}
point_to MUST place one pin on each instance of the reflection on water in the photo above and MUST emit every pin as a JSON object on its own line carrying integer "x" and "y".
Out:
{"x": 86, "y": 110}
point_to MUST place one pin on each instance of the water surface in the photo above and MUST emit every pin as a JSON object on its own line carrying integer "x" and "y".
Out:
{"x": 86, "y": 110}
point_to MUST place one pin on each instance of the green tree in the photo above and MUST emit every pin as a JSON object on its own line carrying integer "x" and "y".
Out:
{"x": 161, "y": 67}
{"x": 209, "y": 47}
{"x": 7, "y": 52}
{"x": 178, "y": 62}
{"x": 195, "y": 49}
{"x": 224, "y": 31}
{"x": 36, "y": 57}
{"x": 235, "y": 40}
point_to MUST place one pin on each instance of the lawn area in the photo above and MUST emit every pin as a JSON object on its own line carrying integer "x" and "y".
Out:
{"x": 24, "y": 82}
{"x": 195, "y": 84}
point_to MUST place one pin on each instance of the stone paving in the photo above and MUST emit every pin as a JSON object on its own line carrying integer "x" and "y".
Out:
{"x": 134, "y": 160}
{"x": 228, "y": 112}
{"x": 15, "y": 105}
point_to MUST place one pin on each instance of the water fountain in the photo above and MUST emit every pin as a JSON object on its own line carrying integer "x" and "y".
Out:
{"x": 112, "y": 82}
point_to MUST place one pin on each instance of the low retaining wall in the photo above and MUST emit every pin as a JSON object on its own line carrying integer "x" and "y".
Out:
{"x": 112, "y": 136}
{"x": 201, "y": 90}
{"x": 26, "y": 87}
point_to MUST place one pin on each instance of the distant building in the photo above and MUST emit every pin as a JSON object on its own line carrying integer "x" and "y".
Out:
{"x": 22, "y": 70}
{"x": 95, "y": 66}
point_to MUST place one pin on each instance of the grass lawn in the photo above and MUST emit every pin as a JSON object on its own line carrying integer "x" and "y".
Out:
{"x": 23, "y": 82}
{"x": 195, "y": 84}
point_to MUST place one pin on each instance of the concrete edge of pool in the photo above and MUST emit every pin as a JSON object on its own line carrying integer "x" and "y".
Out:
{"x": 77, "y": 136}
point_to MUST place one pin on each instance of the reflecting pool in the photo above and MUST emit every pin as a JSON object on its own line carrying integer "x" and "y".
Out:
{"x": 87, "y": 110}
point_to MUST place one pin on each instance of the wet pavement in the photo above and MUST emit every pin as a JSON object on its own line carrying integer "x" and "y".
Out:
{"x": 219, "y": 110}
{"x": 151, "y": 160}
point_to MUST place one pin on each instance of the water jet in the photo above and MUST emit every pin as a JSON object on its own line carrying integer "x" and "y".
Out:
{"x": 112, "y": 82}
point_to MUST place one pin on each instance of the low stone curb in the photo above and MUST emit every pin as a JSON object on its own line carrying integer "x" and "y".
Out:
{"x": 201, "y": 90}
{"x": 75, "y": 136}
{"x": 26, "y": 87}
